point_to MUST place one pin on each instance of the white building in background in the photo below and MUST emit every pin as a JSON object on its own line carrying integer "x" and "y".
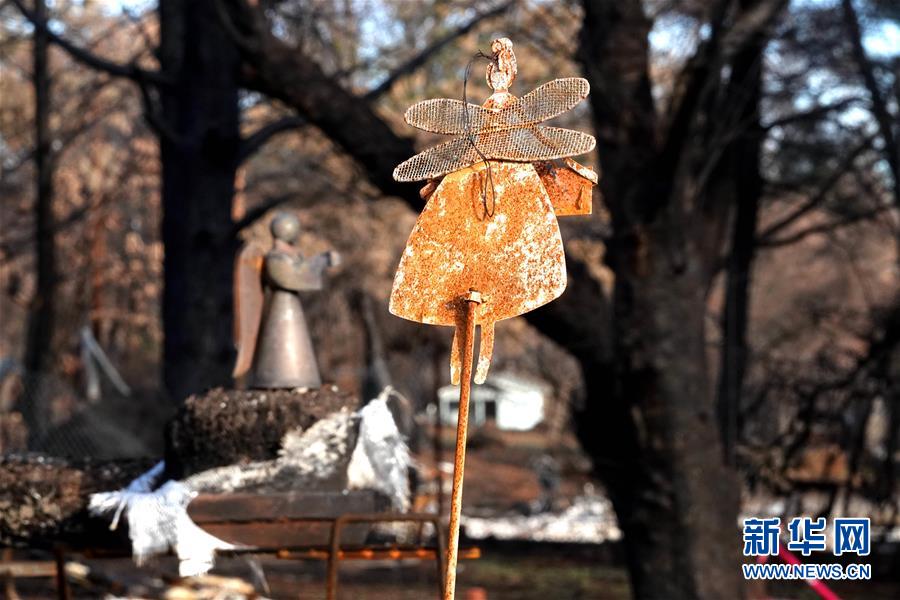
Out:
{"x": 515, "y": 403}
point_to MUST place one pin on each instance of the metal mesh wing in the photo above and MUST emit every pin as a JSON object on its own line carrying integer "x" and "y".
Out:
{"x": 447, "y": 116}
{"x": 530, "y": 144}
{"x": 525, "y": 144}
{"x": 438, "y": 160}
{"x": 550, "y": 100}
{"x": 510, "y": 133}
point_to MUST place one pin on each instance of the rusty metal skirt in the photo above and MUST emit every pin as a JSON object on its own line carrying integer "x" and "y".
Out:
{"x": 505, "y": 244}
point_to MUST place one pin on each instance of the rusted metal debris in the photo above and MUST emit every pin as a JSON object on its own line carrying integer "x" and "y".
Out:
{"x": 487, "y": 245}
{"x": 274, "y": 347}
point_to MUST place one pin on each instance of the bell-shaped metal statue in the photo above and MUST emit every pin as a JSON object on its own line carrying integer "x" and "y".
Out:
{"x": 272, "y": 339}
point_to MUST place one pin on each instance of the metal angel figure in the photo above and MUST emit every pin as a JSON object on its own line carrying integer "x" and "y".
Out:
{"x": 272, "y": 339}
{"x": 487, "y": 245}
{"x": 491, "y": 224}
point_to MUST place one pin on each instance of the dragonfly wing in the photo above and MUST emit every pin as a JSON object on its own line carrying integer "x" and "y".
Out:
{"x": 437, "y": 161}
{"x": 529, "y": 144}
{"x": 448, "y": 116}
{"x": 547, "y": 101}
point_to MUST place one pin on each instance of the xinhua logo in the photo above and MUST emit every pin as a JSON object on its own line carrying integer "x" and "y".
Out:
{"x": 851, "y": 536}
{"x": 762, "y": 536}
{"x": 804, "y": 536}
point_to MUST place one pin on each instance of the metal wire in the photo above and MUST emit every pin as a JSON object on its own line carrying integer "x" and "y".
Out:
{"x": 489, "y": 180}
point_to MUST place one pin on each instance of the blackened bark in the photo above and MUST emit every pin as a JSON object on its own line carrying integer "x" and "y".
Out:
{"x": 742, "y": 161}
{"x": 38, "y": 345}
{"x": 678, "y": 505}
{"x": 878, "y": 102}
{"x": 200, "y": 145}
{"x": 735, "y": 317}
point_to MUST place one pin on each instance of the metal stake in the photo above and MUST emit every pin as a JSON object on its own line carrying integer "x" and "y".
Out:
{"x": 472, "y": 300}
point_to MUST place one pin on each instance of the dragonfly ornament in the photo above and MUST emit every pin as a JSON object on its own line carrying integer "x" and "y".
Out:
{"x": 487, "y": 246}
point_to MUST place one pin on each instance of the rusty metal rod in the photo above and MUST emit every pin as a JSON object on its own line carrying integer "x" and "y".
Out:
{"x": 62, "y": 582}
{"x": 472, "y": 300}
{"x": 333, "y": 559}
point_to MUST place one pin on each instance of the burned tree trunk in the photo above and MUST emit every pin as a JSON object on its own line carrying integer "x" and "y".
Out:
{"x": 742, "y": 161}
{"x": 198, "y": 128}
{"x": 40, "y": 319}
{"x": 677, "y": 503}
{"x": 670, "y": 188}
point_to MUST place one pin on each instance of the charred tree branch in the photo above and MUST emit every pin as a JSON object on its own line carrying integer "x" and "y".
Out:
{"x": 816, "y": 199}
{"x": 128, "y": 71}
{"x": 258, "y": 138}
{"x": 288, "y": 74}
{"x": 258, "y": 211}
{"x": 425, "y": 55}
{"x": 812, "y": 114}
{"x": 822, "y": 228}
{"x": 883, "y": 117}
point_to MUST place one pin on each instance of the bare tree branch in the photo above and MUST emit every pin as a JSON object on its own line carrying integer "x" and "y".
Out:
{"x": 257, "y": 211}
{"x": 425, "y": 55}
{"x": 880, "y": 111}
{"x": 821, "y": 228}
{"x": 765, "y": 237}
{"x": 750, "y": 22}
{"x": 255, "y": 141}
{"x": 288, "y": 74}
{"x": 154, "y": 115}
{"x": 813, "y": 113}
{"x": 703, "y": 73}
{"x": 128, "y": 71}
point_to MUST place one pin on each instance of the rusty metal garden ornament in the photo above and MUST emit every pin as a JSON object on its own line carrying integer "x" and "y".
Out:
{"x": 274, "y": 347}
{"x": 487, "y": 245}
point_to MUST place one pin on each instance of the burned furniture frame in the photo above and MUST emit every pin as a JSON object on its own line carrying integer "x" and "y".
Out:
{"x": 316, "y": 525}
{"x": 335, "y": 551}
{"x": 296, "y": 525}
{"x": 11, "y": 569}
